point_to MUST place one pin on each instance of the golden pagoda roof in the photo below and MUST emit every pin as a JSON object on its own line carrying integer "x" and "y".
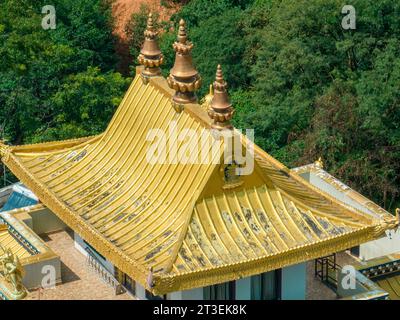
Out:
{"x": 391, "y": 285}
{"x": 20, "y": 239}
{"x": 7, "y": 240}
{"x": 177, "y": 219}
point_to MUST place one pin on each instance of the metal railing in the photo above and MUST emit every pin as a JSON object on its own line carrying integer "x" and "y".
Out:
{"x": 326, "y": 270}
{"x": 100, "y": 269}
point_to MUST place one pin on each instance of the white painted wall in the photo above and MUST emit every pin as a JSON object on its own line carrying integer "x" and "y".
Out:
{"x": 20, "y": 188}
{"x": 388, "y": 244}
{"x": 328, "y": 188}
{"x": 369, "y": 250}
{"x": 45, "y": 221}
{"x": 5, "y": 194}
{"x": 35, "y": 272}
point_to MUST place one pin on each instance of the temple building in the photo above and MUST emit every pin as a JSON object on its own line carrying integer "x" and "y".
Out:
{"x": 168, "y": 229}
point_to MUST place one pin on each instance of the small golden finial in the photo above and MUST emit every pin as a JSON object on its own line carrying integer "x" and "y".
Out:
{"x": 221, "y": 110}
{"x": 183, "y": 78}
{"x": 219, "y": 76}
{"x": 182, "y": 36}
{"x": 319, "y": 163}
{"x": 211, "y": 90}
{"x": 150, "y": 21}
{"x": 206, "y": 103}
{"x": 150, "y": 55}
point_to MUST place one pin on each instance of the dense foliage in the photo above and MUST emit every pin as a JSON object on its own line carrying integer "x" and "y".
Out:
{"x": 59, "y": 83}
{"x": 321, "y": 90}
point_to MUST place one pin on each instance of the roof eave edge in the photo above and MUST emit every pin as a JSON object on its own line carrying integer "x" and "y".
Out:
{"x": 92, "y": 236}
{"x": 203, "y": 278}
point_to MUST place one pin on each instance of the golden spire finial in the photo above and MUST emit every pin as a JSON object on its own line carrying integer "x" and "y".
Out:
{"x": 182, "y": 36}
{"x": 319, "y": 163}
{"x": 150, "y": 55}
{"x": 219, "y": 76}
{"x": 221, "y": 110}
{"x": 211, "y": 90}
{"x": 183, "y": 78}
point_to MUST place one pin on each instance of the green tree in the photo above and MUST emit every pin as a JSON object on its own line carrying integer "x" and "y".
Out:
{"x": 87, "y": 100}
{"x": 136, "y": 27}
{"x": 216, "y": 29}
{"x": 319, "y": 90}
{"x": 222, "y": 44}
{"x": 37, "y": 63}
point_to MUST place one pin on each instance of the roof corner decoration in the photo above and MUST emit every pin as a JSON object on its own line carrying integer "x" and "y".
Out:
{"x": 11, "y": 274}
{"x": 4, "y": 150}
{"x": 319, "y": 163}
{"x": 387, "y": 223}
{"x": 150, "y": 55}
{"x": 221, "y": 110}
{"x": 183, "y": 78}
{"x": 206, "y": 101}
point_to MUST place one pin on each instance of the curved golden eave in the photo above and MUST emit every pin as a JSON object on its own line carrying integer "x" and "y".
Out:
{"x": 246, "y": 268}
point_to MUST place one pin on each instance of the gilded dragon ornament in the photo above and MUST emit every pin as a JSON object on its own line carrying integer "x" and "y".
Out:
{"x": 387, "y": 223}
{"x": 12, "y": 272}
{"x": 4, "y": 150}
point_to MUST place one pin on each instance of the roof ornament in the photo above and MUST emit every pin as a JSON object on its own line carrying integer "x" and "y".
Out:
{"x": 4, "y": 150}
{"x": 319, "y": 163}
{"x": 183, "y": 78}
{"x": 150, "y": 55}
{"x": 13, "y": 272}
{"x": 387, "y": 223}
{"x": 206, "y": 103}
{"x": 150, "y": 280}
{"x": 221, "y": 110}
{"x": 230, "y": 176}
